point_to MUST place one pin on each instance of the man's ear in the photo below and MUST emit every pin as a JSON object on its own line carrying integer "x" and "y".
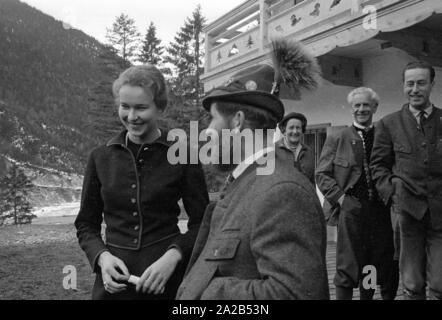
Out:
{"x": 375, "y": 108}
{"x": 238, "y": 121}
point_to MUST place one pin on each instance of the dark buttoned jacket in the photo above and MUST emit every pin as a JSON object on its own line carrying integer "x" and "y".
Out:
{"x": 407, "y": 164}
{"x": 138, "y": 198}
{"x": 266, "y": 239}
{"x": 340, "y": 166}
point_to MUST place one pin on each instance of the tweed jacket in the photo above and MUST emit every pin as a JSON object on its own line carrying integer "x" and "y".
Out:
{"x": 340, "y": 165}
{"x": 266, "y": 239}
{"x": 407, "y": 165}
{"x": 306, "y": 161}
{"x": 138, "y": 199}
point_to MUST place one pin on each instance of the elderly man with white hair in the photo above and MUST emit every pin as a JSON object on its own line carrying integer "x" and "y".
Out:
{"x": 365, "y": 238}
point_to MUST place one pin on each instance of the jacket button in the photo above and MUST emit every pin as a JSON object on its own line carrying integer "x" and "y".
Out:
{"x": 424, "y": 145}
{"x": 426, "y": 161}
{"x": 145, "y": 149}
{"x": 135, "y": 241}
{"x": 141, "y": 161}
{"x": 134, "y": 186}
{"x": 215, "y": 253}
{"x": 135, "y": 214}
{"x": 137, "y": 228}
{"x": 133, "y": 200}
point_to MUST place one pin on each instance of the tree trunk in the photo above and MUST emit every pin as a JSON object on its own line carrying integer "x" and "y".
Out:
{"x": 197, "y": 73}
{"x": 15, "y": 213}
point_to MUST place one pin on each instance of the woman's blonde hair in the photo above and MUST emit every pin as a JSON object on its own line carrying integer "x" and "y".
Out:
{"x": 147, "y": 77}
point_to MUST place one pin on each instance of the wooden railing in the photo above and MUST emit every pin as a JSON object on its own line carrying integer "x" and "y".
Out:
{"x": 245, "y": 32}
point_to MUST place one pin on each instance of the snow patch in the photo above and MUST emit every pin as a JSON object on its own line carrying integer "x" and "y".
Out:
{"x": 67, "y": 209}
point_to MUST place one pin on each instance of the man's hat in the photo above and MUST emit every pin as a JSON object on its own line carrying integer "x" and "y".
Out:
{"x": 252, "y": 86}
{"x": 260, "y": 86}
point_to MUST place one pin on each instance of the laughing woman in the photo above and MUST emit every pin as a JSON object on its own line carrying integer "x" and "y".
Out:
{"x": 293, "y": 128}
{"x": 130, "y": 182}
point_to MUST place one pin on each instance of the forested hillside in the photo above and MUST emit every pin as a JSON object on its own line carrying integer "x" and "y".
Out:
{"x": 51, "y": 80}
{"x": 56, "y": 99}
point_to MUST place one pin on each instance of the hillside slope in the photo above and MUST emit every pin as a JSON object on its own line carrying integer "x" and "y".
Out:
{"x": 48, "y": 76}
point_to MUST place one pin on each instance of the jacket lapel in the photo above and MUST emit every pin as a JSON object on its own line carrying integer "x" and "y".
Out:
{"x": 356, "y": 145}
{"x": 303, "y": 151}
{"x": 410, "y": 125}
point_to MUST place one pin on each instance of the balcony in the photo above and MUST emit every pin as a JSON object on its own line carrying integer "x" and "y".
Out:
{"x": 242, "y": 37}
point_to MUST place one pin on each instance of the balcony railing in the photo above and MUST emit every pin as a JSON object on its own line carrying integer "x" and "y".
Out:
{"x": 244, "y": 34}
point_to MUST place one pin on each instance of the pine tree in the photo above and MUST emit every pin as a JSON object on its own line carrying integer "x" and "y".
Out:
{"x": 198, "y": 21}
{"x": 185, "y": 54}
{"x": 124, "y": 37}
{"x": 103, "y": 113}
{"x": 151, "y": 51}
{"x": 14, "y": 202}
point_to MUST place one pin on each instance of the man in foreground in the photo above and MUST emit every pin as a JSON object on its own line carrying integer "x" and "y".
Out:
{"x": 266, "y": 238}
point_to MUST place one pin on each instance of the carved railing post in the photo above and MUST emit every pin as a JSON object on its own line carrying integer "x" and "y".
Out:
{"x": 263, "y": 6}
{"x": 208, "y": 53}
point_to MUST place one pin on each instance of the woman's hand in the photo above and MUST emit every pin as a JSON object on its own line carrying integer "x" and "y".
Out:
{"x": 111, "y": 268}
{"x": 155, "y": 277}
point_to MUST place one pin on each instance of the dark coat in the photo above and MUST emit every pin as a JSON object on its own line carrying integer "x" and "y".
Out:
{"x": 306, "y": 160}
{"x": 340, "y": 167}
{"x": 138, "y": 199}
{"x": 266, "y": 239}
{"x": 407, "y": 165}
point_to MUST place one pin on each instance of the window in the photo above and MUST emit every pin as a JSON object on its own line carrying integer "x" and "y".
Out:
{"x": 315, "y": 139}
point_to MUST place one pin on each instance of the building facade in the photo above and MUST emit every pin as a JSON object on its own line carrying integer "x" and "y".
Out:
{"x": 357, "y": 42}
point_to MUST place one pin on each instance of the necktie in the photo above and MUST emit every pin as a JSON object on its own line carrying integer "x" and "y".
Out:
{"x": 226, "y": 184}
{"x": 422, "y": 120}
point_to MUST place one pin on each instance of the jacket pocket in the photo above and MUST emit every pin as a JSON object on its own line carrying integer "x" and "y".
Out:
{"x": 401, "y": 148}
{"x": 351, "y": 204}
{"x": 341, "y": 162}
{"x": 223, "y": 249}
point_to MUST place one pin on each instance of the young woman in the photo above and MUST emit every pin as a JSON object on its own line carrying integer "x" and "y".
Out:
{"x": 130, "y": 182}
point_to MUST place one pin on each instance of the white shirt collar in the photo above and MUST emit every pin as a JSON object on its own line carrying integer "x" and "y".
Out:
{"x": 239, "y": 170}
{"x": 357, "y": 125}
{"x": 416, "y": 113}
